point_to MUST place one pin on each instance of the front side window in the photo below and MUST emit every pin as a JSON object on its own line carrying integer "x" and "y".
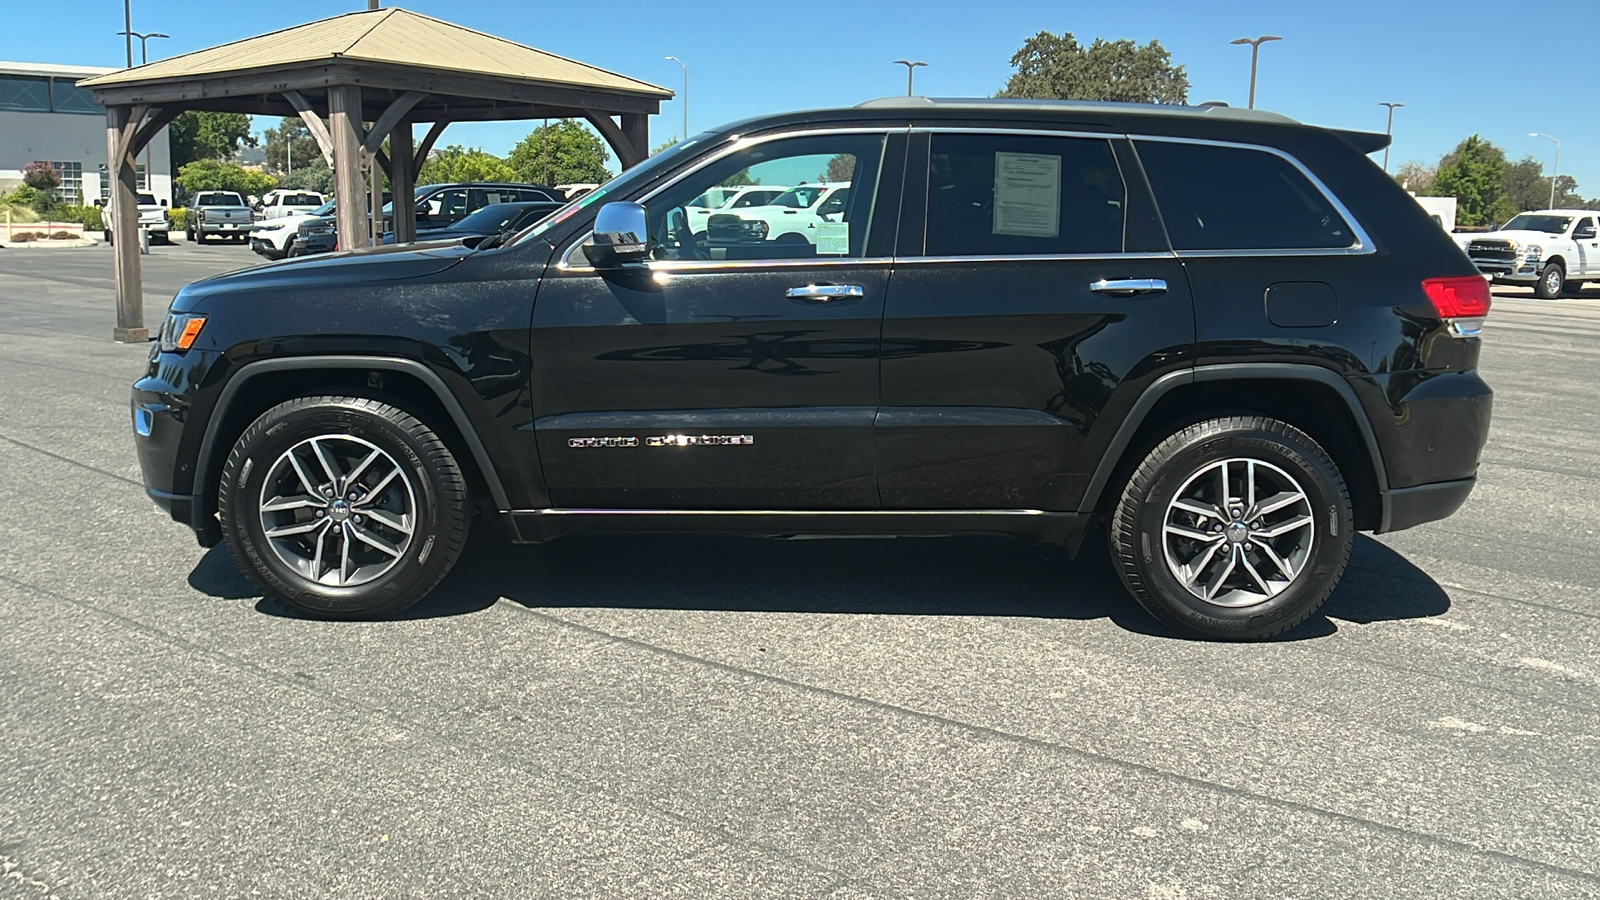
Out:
{"x": 1585, "y": 228}
{"x": 790, "y": 229}
{"x": 1239, "y": 198}
{"x": 1015, "y": 194}
{"x": 449, "y": 204}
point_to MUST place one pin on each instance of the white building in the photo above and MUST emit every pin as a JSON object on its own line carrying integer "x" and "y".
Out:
{"x": 46, "y": 117}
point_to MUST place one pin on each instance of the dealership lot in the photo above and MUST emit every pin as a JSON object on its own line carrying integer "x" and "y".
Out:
{"x": 723, "y": 717}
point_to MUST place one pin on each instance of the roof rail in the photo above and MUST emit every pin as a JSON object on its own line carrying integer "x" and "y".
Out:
{"x": 1076, "y": 106}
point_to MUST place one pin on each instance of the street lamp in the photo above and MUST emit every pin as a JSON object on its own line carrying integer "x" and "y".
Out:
{"x": 1389, "y": 131}
{"x": 685, "y": 95}
{"x": 144, "y": 59}
{"x": 1255, "y": 50}
{"x": 1554, "y": 167}
{"x": 910, "y": 68}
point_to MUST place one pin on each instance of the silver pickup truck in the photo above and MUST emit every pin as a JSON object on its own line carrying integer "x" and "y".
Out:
{"x": 218, "y": 214}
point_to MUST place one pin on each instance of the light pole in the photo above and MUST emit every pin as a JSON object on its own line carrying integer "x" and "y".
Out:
{"x": 144, "y": 59}
{"x": 127, "y": 26}
{"x": 911, "y": 67}
{"x": 1255, "y": 51}
{"x": 685, "y": 95}
{"x": 1389, "y": 131}
{"x": 1554, "y": 167}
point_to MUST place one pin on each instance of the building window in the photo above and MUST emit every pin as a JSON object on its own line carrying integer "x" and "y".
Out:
{"x": 71, "y": 189}
{"x": 105, "y": 181}
{"x": 21, "y": 93}
{"x": 67, "y": 97}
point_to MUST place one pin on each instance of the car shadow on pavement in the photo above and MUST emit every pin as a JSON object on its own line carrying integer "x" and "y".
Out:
{"x": 966, "y": 576}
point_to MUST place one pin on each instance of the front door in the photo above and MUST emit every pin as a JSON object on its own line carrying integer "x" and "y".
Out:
{"x": 1588, "y": 245}
{"x": 737, "y": 372}
{"x": 1035, "y": 284}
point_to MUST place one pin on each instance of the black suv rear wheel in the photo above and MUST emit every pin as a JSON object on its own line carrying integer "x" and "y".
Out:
{"x": 343, "y": 507}
{"x": 1233, "y": 528}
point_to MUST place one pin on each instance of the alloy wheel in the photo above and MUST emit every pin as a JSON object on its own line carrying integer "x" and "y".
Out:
{"x": 338, "y": 510}
{"x": 1238, "y": 532}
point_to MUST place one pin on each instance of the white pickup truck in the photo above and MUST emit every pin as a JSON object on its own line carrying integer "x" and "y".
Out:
{"x": 1549, "y": 250}
{"x": 280, "y": 203}
{"x": 796, "y": 216}
{"x": 153, "y": 217}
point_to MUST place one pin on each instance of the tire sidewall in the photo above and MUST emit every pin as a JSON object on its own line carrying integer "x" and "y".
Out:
{"x": 1544, "y": 290}
{"x": 253, "y": 460}
{"x": 1331, "y": 519}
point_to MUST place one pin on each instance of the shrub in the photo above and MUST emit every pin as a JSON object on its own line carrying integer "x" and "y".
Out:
{"x": 178, "y": 218}
{"x": 87, "y": 216}
{"x": 63, "y": 236}
{"x": 22, "y": 237}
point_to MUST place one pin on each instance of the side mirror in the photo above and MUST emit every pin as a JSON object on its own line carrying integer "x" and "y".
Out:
{"x": 163, "y": 202}
{"x": 620, "y": 236}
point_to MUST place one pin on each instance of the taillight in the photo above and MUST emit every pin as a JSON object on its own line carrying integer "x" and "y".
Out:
{"x": 1462, "y": 302}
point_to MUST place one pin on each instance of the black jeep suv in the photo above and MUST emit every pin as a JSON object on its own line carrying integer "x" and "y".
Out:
{"x": 1225, "y": 336}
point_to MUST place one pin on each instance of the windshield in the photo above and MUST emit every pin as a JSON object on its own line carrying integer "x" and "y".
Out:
{"x": 716, "y": 198}
{"x": 619, "y": 185}
{"x": 798, "y": 198}
{"x": 491, "y": 218}
{"x": 1546, "y": 224}
{"x": 325, "y": 209}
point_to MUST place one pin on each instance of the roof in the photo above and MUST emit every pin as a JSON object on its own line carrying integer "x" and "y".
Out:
{"x": 392, "y": 36}
{"x": 57, "y": 69}
{"x": 1007, "y": 104}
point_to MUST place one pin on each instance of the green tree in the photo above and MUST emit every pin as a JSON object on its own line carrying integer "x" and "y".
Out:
{"x": 457, "y": 163}
{"x": 211, "y": 175}
{"x": 1058, "y": 67}
{"x": 315, "y": 175}
{"x": 208, "y": 135}
{"x": 667, "y": 144}
{"x": 840, "y": 168}
{"x": 1473, "y": 173}
{"x": 1416, "y": 178}
{"x": 561, "y": 153}
{"x": 290, "y": 135}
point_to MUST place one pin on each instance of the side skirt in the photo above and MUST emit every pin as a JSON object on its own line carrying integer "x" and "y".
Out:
{"x": 537, "y": 525}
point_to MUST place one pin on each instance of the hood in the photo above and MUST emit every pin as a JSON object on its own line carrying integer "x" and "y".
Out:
{"x": 1520, "y": 237}
{"x": 368, "y": 266}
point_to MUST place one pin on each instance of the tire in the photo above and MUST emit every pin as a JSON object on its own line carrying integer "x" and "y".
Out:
{"x": 1211, "y": 596}
{"x": 409, "y": 479}
{"x": 1552, "y": 281}
{"x": 200, "y": 237}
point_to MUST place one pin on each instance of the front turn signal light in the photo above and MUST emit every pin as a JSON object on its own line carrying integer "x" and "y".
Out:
{"x": 180, "y": 331}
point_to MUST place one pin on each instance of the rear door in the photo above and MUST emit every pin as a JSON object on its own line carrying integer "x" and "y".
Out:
{"x": 1032, "y": 282}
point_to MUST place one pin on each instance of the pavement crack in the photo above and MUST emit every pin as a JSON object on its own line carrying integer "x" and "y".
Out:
{"x": 70, "y": 461}
{"x": 985, "y": 731}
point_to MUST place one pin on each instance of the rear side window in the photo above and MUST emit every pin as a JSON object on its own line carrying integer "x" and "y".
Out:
{"x": 1235, "y": 198}
{"x": 1013, "y": 194}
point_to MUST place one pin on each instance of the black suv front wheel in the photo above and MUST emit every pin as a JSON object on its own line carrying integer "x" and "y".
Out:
{"x": 343, "y": 507}
{"x": 1233, "y": 528}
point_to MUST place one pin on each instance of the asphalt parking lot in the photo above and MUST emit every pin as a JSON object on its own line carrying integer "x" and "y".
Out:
{"x": 717, "y": 717}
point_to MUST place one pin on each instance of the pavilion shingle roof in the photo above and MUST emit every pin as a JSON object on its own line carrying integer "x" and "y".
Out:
{"x": 389, "y": 36}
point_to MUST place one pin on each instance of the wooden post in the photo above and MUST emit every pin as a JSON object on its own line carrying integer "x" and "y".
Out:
{"x": 375, "y": 186}
{"x": 636, "y": 128}
{"x": 402, "y": 181}
{"x": 344, "y": 124}
{"x": 130, "y": 328}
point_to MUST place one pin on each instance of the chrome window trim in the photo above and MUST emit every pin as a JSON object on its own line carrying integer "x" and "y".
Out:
{"x": 1363, "y": 242}
{"x": 739, "y": 142}
{"x": 1036, "y": 257}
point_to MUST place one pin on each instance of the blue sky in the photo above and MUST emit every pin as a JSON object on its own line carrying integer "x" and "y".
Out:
{"x": 1460, "y": 66}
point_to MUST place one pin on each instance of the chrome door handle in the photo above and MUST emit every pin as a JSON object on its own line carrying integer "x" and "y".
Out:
{"x": 822, "y": 293}
{"x": 1128, "y": 286}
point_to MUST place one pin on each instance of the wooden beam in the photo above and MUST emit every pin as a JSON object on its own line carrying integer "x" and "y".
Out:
{"x": 344, "y": 124}
{"x": 319, "y": 131}
{"x": 621, "y": 143}
{"x": 375, "y": 194}
{"x": 636, "y": 127}
{"x": 426, "y": 147}
{"x": 152, "y": 126}
{"x": 391, "y": 117}
{"x": 120, "y": 122}
{"x": 402, "y": 180}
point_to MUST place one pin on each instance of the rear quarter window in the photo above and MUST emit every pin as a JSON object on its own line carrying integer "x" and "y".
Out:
{"x": 1238, "y": 198}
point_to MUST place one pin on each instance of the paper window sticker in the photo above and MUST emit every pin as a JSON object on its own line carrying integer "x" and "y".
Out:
{"x": 1027, "y": 194}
